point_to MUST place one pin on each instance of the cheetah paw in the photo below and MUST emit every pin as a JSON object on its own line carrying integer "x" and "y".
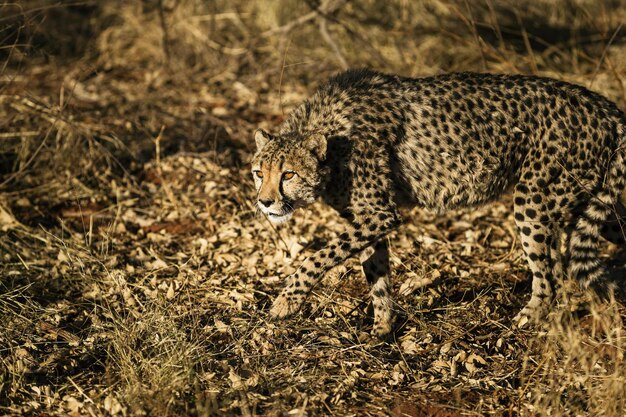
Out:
{"x": 382, "y": 328}
{"x": 381, "y": 332}
{"x": 529, "y": 317}
{"x": 284, "y": 306}
{"x": 521, "y": 320}
{"x": 532, "y": 314}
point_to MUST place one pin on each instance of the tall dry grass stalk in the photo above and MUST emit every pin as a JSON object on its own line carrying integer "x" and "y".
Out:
{"x": 153, "y": 363}
{"x": 578, "y": 367}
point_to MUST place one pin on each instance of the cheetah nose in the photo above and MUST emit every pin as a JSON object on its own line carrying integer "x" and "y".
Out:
{"x": 266, "y": 203}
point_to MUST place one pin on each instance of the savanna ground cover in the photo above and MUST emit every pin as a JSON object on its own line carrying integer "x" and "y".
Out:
{"x": 136, "y": 274}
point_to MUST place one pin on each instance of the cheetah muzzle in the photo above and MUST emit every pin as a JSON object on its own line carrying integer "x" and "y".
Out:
{"x": 368, "y": 143}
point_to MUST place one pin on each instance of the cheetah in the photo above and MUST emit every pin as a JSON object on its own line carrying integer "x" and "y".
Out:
{"x": 369, "y": 143}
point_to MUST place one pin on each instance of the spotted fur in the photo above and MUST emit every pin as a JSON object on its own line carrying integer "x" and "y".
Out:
{"x": 368, "y": 143}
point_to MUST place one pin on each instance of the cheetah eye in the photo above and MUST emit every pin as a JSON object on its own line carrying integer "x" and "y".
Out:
{"x": 288, "y": 175}
{"x": 259, "y": 174}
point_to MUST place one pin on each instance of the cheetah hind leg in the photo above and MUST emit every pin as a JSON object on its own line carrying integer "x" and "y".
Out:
{"x": 540, "y": 241}
{"x": 544, "y": 284}
{"x": 546, "y": 274}
{"x": 375, "y": 264}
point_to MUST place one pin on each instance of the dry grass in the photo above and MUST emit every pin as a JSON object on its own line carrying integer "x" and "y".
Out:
{"x": 136, "y": 275}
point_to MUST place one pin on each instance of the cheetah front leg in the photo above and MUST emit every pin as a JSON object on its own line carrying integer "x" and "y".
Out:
{"x": 375, "y": 263}
{"x": 364, "y": 231}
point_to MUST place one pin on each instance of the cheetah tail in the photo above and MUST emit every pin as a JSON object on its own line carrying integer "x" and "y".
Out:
{"x": 584, "y": 263}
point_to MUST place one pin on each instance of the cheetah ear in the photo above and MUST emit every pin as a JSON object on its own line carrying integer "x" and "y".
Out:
{"x": 317, "y": 144}
{"x": 261, "y": 137}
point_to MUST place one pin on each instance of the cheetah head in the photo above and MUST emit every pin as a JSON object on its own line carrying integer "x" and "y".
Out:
{"x": 288, "y": 172}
